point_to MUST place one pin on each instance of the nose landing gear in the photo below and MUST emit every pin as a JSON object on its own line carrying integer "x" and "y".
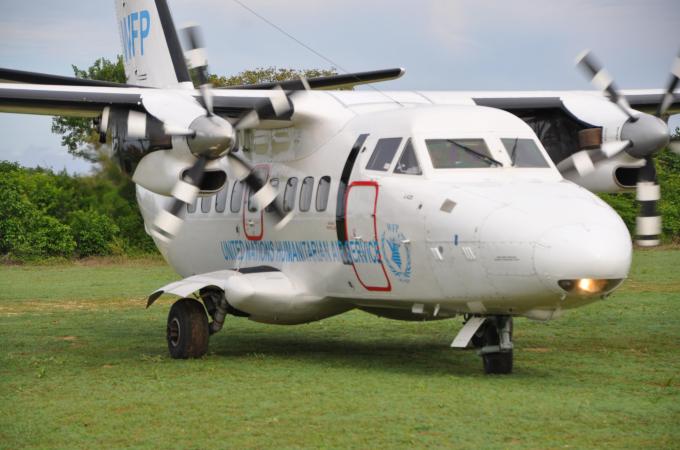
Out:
{"x": 492, "y": 336}
{"x": 495, "y": 344}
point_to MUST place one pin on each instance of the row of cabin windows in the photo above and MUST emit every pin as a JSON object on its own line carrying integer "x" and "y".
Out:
{"x": 289, "y": 196}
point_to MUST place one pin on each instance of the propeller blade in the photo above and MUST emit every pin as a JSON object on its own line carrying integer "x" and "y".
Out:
{"x": 675, "y": 147}
{"x": 168, "y": 222}
{"x": 250, "y": 119}
{"x": 197, "y": 60}
{"x": 579, "y": 161}
{"x": 264, "y": 193}
{"x": 600, "y": 79}
{"x": 279, "y": 101}
{"x": 172, "y": 130}
{"x": 136, "y": 124}
{"x": 648, "y": 193}
{"x": 613, "y": 148}
{"x": 668, "y": 97}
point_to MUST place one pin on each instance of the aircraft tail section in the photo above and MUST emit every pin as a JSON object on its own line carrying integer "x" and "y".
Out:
{"x": 151, "y": 49}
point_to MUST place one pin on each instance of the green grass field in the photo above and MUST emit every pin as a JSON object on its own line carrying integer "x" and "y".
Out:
{"x": 84, "y": 365}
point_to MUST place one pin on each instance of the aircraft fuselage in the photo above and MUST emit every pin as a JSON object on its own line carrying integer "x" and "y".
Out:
{"x": 403, "y": 244}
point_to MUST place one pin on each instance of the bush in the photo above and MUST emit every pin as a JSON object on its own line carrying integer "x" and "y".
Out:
{"x": 93, "y": 232}
{"x": 44, "y": 214}
{"x": 25, "y": 231}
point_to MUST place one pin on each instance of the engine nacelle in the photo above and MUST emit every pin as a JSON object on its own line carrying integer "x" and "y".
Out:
{"x": 154, "y": 159}
{"x": 616, "y": 174}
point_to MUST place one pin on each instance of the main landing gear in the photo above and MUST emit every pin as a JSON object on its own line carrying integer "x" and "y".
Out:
{"x": 188, "y": 328}
{"x": 492, "y": 337}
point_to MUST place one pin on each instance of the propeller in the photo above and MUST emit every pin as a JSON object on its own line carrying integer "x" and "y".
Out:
{"x": 642, "y": 135}
{"x": 209, "y": 137}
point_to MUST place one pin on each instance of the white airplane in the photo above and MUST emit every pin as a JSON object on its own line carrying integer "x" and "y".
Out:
{"x": 295, "y": 202}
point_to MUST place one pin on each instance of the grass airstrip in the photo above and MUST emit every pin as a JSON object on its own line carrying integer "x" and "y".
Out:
{"x": 84, "y": 365}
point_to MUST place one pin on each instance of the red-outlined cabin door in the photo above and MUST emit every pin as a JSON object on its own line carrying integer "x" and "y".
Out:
{"x": 361, "y": 203}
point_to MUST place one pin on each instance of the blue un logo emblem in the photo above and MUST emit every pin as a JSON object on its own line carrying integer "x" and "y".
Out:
{"x": 397, "y": 252}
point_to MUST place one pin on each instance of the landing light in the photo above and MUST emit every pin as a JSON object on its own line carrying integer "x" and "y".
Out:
{"x": 589, "y": 286}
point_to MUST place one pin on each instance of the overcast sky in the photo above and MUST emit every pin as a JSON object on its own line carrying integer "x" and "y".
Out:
{"x": 442, "y": 44}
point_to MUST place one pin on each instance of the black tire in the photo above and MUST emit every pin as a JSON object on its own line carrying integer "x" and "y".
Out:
{"x": 498, "y": 363}
{"x": 187, "y": 332}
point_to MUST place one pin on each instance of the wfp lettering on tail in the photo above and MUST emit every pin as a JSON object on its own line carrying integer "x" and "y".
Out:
{"x": 134, "y": 29}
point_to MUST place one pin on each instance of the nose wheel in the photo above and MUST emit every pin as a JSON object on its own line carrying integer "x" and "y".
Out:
{"x": 187, "y": 331}
{"x": 495, "y": 342}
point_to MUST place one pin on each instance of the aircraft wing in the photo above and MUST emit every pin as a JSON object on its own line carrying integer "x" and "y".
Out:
{"x": 342, "y": 81}
{"x": 89, "y": 101}
{"x": 645, "y": 100}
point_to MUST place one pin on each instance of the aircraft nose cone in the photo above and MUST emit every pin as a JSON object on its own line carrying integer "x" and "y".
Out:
{"x": 583, "y": 252}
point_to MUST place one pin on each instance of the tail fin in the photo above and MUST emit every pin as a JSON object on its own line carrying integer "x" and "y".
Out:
{"x": 151, "y": 49}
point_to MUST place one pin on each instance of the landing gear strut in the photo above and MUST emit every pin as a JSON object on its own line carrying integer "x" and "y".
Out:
{"x": 494, "y": 340}
{"x": 187, "y": 331}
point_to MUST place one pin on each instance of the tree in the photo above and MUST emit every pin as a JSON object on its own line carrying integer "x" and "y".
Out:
{"x": 79, "y": 135}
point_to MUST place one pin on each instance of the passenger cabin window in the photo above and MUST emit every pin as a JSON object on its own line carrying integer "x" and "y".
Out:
{"x": 236, "y": 197}
{"x": 306, "y": 194}
{"x": 524, "y": 153}
{"x": 275, "y": 184}
{"x": 460, "y": 154}
{"x": 322, "y": 193}
{"x": 206, "y": 202}
{"x": 191, "y": 207}
{"x": 408, "y": 163}
{"x": 384, "y": 152}
{"x": 289, "y": 194}
{"x": 221, "y": 198}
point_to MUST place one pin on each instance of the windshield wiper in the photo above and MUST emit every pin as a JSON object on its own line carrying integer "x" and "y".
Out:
{"x": 481, "y": 156}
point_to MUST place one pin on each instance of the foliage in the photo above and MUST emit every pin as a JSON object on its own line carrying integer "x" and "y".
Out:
{"x": 45, "y": 214}
{"x": 79, "y": 135}
{"x": 93, "y": 232}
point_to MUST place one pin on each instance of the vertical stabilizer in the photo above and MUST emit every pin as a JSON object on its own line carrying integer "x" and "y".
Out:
{"x": 151, "y": 49}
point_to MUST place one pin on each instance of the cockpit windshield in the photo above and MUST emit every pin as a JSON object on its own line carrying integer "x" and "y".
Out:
{"x": 460, "y": 154}
{"x": 524, "y": 153}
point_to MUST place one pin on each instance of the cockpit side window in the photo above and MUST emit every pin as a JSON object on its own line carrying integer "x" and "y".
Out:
{"x": 524, "y": 153}
{"x": 384, "y": 152}
{"x": 460, "y": 154}
{"x": 408, "y": 163}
